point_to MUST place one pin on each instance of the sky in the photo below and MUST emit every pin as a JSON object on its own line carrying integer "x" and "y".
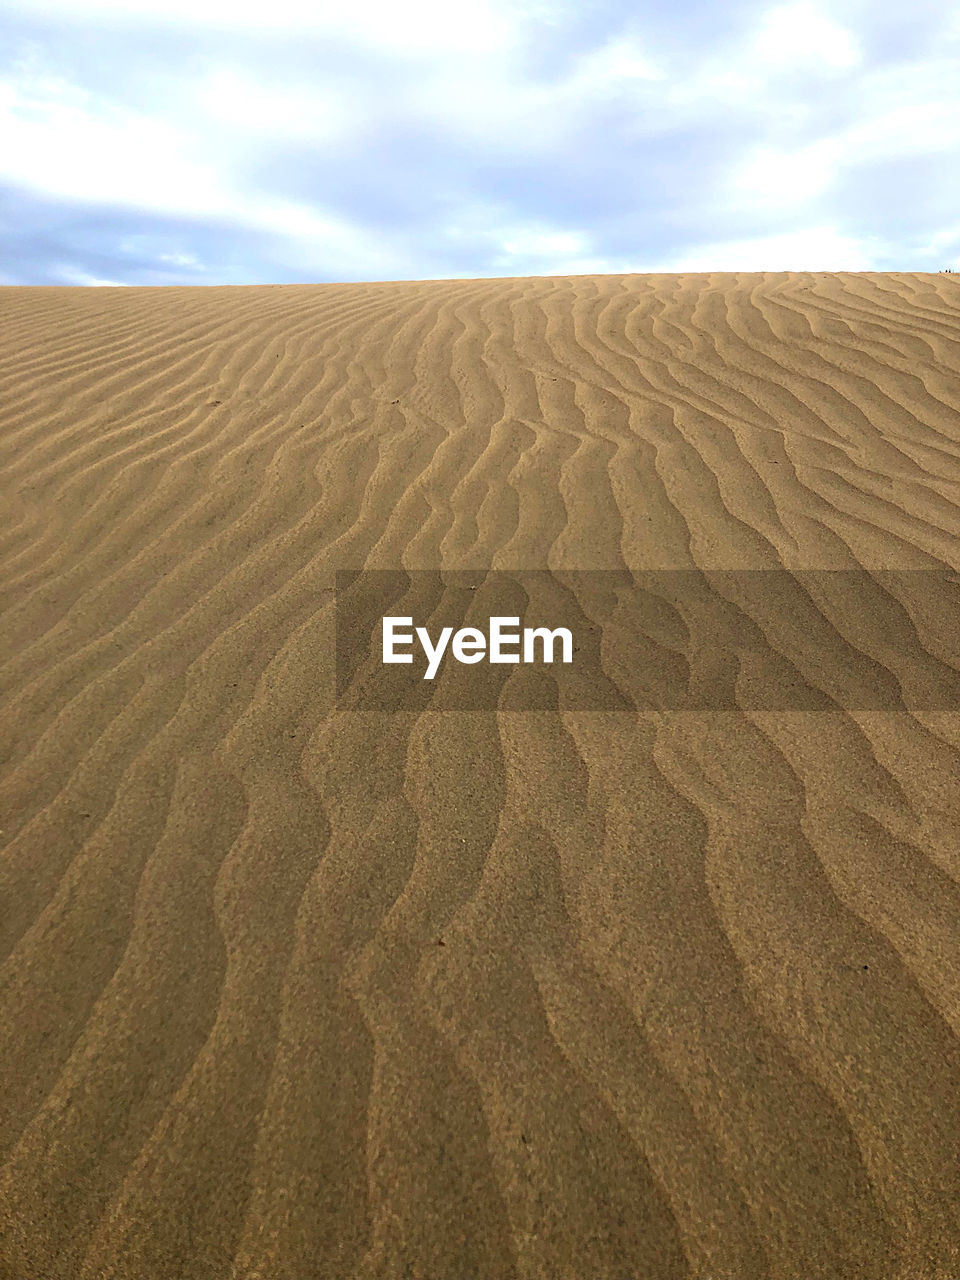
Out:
{"x": 154, "y": 142}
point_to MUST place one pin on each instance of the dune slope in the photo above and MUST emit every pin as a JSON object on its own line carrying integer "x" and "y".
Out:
{"x": 292, "y": 990}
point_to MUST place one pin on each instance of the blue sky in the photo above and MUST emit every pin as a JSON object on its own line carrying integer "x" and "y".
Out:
{"x": 236, "y": 142}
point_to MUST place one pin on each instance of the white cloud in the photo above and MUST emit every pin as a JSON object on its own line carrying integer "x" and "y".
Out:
{"x": 244, "y": 104}
{"x": 784, "y": 62}
{"x": 907, "y": 112}
{"x": 493, "y": 101}
{"x": 820, "y": 248}
{"x": 771, "y": 176}
{"x": 768, "y": 128}
{"x": 418, "y": 27}
{"x": 944, "y": 239}
{"x": 536, "y": 243}
{"x": 68, "y": 274}
{"x": 618, "y": 64}
{"x": 61, "y": 141}
{"x": 919, "y": 124}
{"x": 179, "y": 260}
{"x": 802, "y": 34}
{"x": 817, "y": 248}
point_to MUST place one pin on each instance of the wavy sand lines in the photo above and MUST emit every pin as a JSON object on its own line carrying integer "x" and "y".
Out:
{"x": 288, "y": 989}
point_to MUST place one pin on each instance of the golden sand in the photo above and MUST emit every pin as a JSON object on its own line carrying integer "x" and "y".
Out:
{"x": 297, "y": 993}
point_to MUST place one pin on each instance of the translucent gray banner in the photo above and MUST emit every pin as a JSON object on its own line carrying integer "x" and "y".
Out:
{"x": 669, "y": 640}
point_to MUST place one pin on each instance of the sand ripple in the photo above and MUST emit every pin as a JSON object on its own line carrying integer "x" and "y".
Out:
{"x": 290, "y": 991}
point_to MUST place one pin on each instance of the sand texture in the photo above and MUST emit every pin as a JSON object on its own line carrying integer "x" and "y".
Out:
{"x": 293, "y": 991}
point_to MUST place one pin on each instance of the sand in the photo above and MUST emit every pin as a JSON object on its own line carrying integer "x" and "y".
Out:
{"x": 292, "y": 990}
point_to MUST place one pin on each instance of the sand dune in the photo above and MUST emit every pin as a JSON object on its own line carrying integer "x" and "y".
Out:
{"x": 291, "y": 989}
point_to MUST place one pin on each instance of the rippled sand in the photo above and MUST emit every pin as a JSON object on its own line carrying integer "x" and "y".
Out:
{"x": 292, "y": 992}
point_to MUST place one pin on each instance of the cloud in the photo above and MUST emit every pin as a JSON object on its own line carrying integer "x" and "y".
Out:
{"x": 811, "y": 249}
{"x": 69, "y": 274}
{"x": 64, "y": 142}
{"x": 896, "y": 114}
{"x": 421, "y": 27}
{"x": 791, "y": 35}
{"x": 617, "y": 65}
{"x": 295, "y": 140}
{"x": 233, "y": 100}
{"x": 543, "y": 243}
{"x": 61, "y": 140}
